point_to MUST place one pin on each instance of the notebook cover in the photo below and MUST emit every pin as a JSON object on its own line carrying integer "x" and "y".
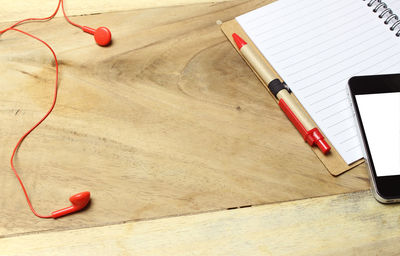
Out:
{"x": 332, "y": 161}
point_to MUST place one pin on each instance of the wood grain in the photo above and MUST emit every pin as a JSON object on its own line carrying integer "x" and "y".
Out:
{"x": 17, "y": 10}
{"x": 169, "y": 120}
{"x": 353, "y": 224}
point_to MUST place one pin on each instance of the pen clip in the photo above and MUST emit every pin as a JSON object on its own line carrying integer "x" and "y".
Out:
{"x": 287, "y": 87}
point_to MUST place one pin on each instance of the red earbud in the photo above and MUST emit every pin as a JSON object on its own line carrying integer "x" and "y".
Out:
{"x": 79, "y": 201}
{"x": 102, "y": 35}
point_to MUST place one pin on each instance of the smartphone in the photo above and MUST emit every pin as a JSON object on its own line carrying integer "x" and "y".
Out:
{"x": 376, "y": 104}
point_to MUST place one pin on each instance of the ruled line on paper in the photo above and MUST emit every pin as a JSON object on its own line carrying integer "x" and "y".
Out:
{"x": 340, "y": 43}
{"x": 383, "y": 61}
{"x": 337, "y": 72}
{"x": 351, "y": 138}
{"x": 324, "y": 88}
{"x": 353, "y": 148}
{"x": 331, "y": 105}
{"x": 322, "y": 24}
{"x": 293, "y": 4}
{"x": 341, "y": 121}
{"x": 319, "y": 43}
{"x": 309, "y": 30}
{"x": 391, "y": 64}
{"x": 316, "y": 49}
{"x": 334, "y": 64}
{"x": 290, "y": 19}
{"x": 343, "y": 130}
{"x": 336, "y": 113}
{"x": 327, "y": 97}
{"x": 290, "y": 14}
{"x": 360, "y": 61}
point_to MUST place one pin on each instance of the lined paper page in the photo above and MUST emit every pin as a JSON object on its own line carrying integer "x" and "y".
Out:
{"x": 316, "y": 46}
{"x": 394, "y": 5}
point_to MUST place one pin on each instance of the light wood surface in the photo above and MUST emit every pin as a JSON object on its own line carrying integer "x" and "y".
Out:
{"x": 17, "y": 10}
{"x": 353, "y": 224}
{"x": 167, "y": 121}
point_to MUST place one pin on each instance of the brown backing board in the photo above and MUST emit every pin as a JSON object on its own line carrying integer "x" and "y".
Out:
{"x": 332, "y": 161}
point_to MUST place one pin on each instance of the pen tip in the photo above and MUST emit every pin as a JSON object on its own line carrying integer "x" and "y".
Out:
{"x": 239, "y": 41}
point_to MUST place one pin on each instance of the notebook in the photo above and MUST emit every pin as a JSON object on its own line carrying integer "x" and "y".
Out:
{"x": 317, "y": 45}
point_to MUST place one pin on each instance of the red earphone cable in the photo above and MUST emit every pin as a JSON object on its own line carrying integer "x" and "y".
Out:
{"x": 60, "y": 2}
{"x": 37, "y": 124}
{"x": 34, "y": 19}
{"x": 66, "y": 17}
{"x": 12, "y": 27}
{"x": 48, "y": 112}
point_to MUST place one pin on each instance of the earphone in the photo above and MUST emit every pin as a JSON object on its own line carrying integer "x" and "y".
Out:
{"x": 102, "y": 36}
{"x": 79, "y": 201}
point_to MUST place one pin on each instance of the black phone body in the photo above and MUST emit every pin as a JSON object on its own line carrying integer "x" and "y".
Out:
{"x": 376, "y": 105}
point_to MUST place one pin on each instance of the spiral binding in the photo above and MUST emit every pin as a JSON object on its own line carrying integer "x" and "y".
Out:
{"x": 382, "y": 7}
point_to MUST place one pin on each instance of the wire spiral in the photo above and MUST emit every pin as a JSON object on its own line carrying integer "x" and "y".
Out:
{"x": 382, "y": 7}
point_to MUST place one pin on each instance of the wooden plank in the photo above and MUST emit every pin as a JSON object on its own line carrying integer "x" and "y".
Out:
{"x": 169, "y": 120}
{"x": 17, "y": 10}
{"x": 352, "y": 224}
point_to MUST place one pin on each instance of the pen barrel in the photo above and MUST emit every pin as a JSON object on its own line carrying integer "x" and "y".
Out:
{"x": 294, "y": 107}
{"x": 287, "y": 102}
{"x": 301, "y": 121}
{"x": 259, "y": 65}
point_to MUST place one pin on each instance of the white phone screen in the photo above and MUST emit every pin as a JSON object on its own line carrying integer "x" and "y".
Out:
{"x": 380, "y": 116}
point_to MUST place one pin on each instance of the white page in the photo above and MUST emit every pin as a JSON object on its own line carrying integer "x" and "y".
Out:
{"x": 394, "y": 5}
{"x": 316, "y": 46}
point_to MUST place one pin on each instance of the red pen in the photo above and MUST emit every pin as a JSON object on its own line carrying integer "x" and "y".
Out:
{"x": 287, "y": 102}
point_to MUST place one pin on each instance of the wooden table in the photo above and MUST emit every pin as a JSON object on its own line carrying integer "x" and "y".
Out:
{"x": 181, "y": 147}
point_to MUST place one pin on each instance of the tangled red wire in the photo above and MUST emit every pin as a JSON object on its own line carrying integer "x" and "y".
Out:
{"x": 12, "y": 27}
